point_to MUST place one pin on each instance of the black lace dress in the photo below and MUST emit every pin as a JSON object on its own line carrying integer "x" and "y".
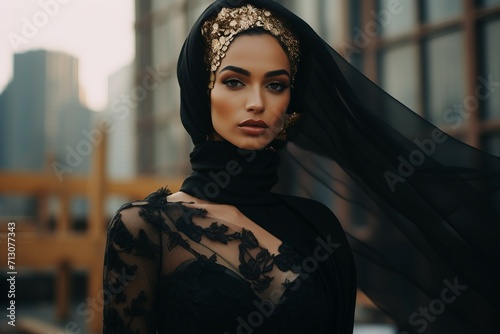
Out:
{"x": 172, "y": 268}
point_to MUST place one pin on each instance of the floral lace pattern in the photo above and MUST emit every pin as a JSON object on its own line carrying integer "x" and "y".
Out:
{"x": 161, "y": 232}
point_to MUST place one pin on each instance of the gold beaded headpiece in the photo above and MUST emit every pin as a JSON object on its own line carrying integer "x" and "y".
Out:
{"x": 220, "y": 31}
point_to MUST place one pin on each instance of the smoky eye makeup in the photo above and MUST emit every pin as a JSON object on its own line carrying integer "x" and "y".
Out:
{"x": 232, "y": 82}
{"x": 234, "y": 77}
{"x": 277, "y": 86}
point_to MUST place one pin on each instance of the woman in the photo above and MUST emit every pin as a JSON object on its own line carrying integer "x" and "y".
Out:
{"x": 228, "y": 255}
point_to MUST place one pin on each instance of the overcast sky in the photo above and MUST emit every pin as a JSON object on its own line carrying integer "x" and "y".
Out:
{"x": 99, "y": 33}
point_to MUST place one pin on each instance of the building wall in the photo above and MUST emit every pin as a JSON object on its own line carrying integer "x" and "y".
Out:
{"x": 162, "y": 26}
{"x": 25, "y": 113}
{"x": 121, "y": 148}
{"x": 440, "y": 58}
{"x": 121, "y": 138}
{"x": 42, "y": 95}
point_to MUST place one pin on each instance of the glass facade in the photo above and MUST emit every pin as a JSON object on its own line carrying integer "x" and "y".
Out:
{"x": 399, "y": 75}
{"x": 395, "y": 18}
{"x": 435, "y": 11}
{"x": 445, "y": 75}
{"x": 326, "y": 17}
{"x": 440, "y": 58}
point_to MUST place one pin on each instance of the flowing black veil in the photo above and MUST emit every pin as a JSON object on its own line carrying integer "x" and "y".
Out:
{"x": 421, "y": 209}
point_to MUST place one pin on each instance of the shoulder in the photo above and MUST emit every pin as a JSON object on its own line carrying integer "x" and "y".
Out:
{"x": 146, "y": 213}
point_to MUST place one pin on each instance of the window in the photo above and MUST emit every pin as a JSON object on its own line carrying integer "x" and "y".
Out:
{"x": 440, "y": 58}
{"x": 445, "y": 68}
{"x": 435, "y": 11}
{"x": 396, "y": 18}
{"x": 399, "y": 75}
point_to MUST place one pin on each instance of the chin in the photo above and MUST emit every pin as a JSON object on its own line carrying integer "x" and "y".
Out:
{"x": 251, "y": 144}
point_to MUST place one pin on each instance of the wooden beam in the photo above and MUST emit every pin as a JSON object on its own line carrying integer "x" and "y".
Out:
{"x": 31, "y": 183}
{"x": 63, "y": 290}
{"x": 95, "y": 191}
{"x": 63, "y": 220}
{"x": 34, "y": 183}
{"x": 143, "y": 186}
{"x": 36, "y": 250}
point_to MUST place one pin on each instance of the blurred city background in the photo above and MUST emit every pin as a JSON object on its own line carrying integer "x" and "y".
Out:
{"x": 89, "y": 119}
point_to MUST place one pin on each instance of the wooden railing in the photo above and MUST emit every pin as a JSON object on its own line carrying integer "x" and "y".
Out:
{"x": 63, "y": 249}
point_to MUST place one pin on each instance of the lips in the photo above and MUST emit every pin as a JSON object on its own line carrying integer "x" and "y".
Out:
{"x": 255, "y": 123}
{"x": 253, "y": 127}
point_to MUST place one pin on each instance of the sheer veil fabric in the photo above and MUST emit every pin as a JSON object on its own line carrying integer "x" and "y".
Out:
{"x": 426, "y": 247}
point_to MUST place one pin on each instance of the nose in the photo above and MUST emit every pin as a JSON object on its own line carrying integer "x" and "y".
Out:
{"x": 255, "y": 102}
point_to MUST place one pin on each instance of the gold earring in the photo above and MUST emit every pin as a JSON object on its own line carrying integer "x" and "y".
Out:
{"x": 290, "y": 119}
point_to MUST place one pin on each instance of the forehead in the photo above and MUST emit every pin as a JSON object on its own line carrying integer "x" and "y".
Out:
{"x": 262, "y": 51}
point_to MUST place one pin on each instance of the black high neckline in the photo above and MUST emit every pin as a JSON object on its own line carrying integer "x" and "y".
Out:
{"x": 224, "y": 173}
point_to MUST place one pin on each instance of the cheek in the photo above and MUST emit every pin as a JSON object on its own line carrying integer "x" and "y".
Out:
{"x": 220, "y": 104}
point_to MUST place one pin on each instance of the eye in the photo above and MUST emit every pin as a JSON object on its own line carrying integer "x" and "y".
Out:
{"x": 277, "y": 86}
{"x": 233, "y": 83}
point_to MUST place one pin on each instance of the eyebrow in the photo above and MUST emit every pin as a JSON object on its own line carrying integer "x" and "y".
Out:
{"x": 276, "y": 73}
{"x": 248, "y": 74}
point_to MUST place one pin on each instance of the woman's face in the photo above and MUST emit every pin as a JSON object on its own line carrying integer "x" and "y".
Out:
{"x": 251, "y": 92}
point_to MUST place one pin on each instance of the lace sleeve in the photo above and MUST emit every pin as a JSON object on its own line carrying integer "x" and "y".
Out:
{"x": 131, "y": 272}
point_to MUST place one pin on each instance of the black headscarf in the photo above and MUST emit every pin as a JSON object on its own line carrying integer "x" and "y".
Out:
{"x": 426, "y": 250}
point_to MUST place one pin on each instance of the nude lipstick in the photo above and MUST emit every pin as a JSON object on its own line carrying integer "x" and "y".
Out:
{"x": 253, "y": 127}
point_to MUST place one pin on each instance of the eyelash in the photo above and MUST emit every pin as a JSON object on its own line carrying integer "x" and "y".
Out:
{"x": 235, "y": 83}
{"x": 230, "y": 82}
{"x": 281, "y": 85}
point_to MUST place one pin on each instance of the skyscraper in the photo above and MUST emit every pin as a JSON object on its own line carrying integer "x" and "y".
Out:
{"x": 41, "y": 116}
